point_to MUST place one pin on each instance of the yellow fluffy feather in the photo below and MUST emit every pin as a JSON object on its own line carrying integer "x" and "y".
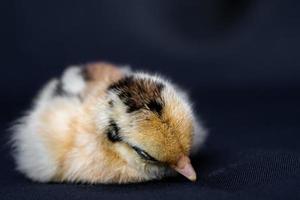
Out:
{"x": 101, "y": 123}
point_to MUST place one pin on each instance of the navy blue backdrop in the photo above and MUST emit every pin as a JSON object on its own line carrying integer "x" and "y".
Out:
{"x": 239, "y": 60}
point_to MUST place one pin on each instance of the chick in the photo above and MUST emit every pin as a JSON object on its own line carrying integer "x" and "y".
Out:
{"x": 100, "y": 123}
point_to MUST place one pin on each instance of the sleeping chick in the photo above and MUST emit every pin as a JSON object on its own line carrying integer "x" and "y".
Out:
{"x": 103, "y": 124}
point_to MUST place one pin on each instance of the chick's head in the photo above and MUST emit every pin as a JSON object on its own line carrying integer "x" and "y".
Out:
{"x": 151, "y": 125}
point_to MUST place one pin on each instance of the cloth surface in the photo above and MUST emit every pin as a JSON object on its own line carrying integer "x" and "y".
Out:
{"x": 239, "y": 60}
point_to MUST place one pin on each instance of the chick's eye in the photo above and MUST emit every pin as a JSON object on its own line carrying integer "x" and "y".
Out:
{"x": 144, "y": 154}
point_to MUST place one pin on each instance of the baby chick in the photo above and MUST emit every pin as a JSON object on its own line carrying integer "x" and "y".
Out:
{"x": 100, "y": 123}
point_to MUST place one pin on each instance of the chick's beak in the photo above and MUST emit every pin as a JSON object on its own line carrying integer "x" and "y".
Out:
{"x": 184, "y": 167}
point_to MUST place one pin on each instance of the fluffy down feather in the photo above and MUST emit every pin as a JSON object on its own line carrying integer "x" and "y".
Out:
{"x": 100, "y": 123}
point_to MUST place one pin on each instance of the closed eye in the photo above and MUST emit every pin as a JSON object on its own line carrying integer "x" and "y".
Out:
{"x": 143, "y": 154}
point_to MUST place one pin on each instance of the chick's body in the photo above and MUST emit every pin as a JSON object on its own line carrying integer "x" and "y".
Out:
{"x": 103, "y": 124}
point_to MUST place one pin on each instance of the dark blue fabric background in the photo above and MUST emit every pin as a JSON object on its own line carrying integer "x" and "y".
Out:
{"x": 239, "y": 60}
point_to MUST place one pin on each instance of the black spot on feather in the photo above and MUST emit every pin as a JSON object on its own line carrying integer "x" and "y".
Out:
{"x": 59, "y": 90}
{"x": 113, "y": 132}
{"x": 84, "y": 74}
{"x": 155, "y": 106}
{"x": 139, "y": 93}
{"x": 111, "y": 103}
